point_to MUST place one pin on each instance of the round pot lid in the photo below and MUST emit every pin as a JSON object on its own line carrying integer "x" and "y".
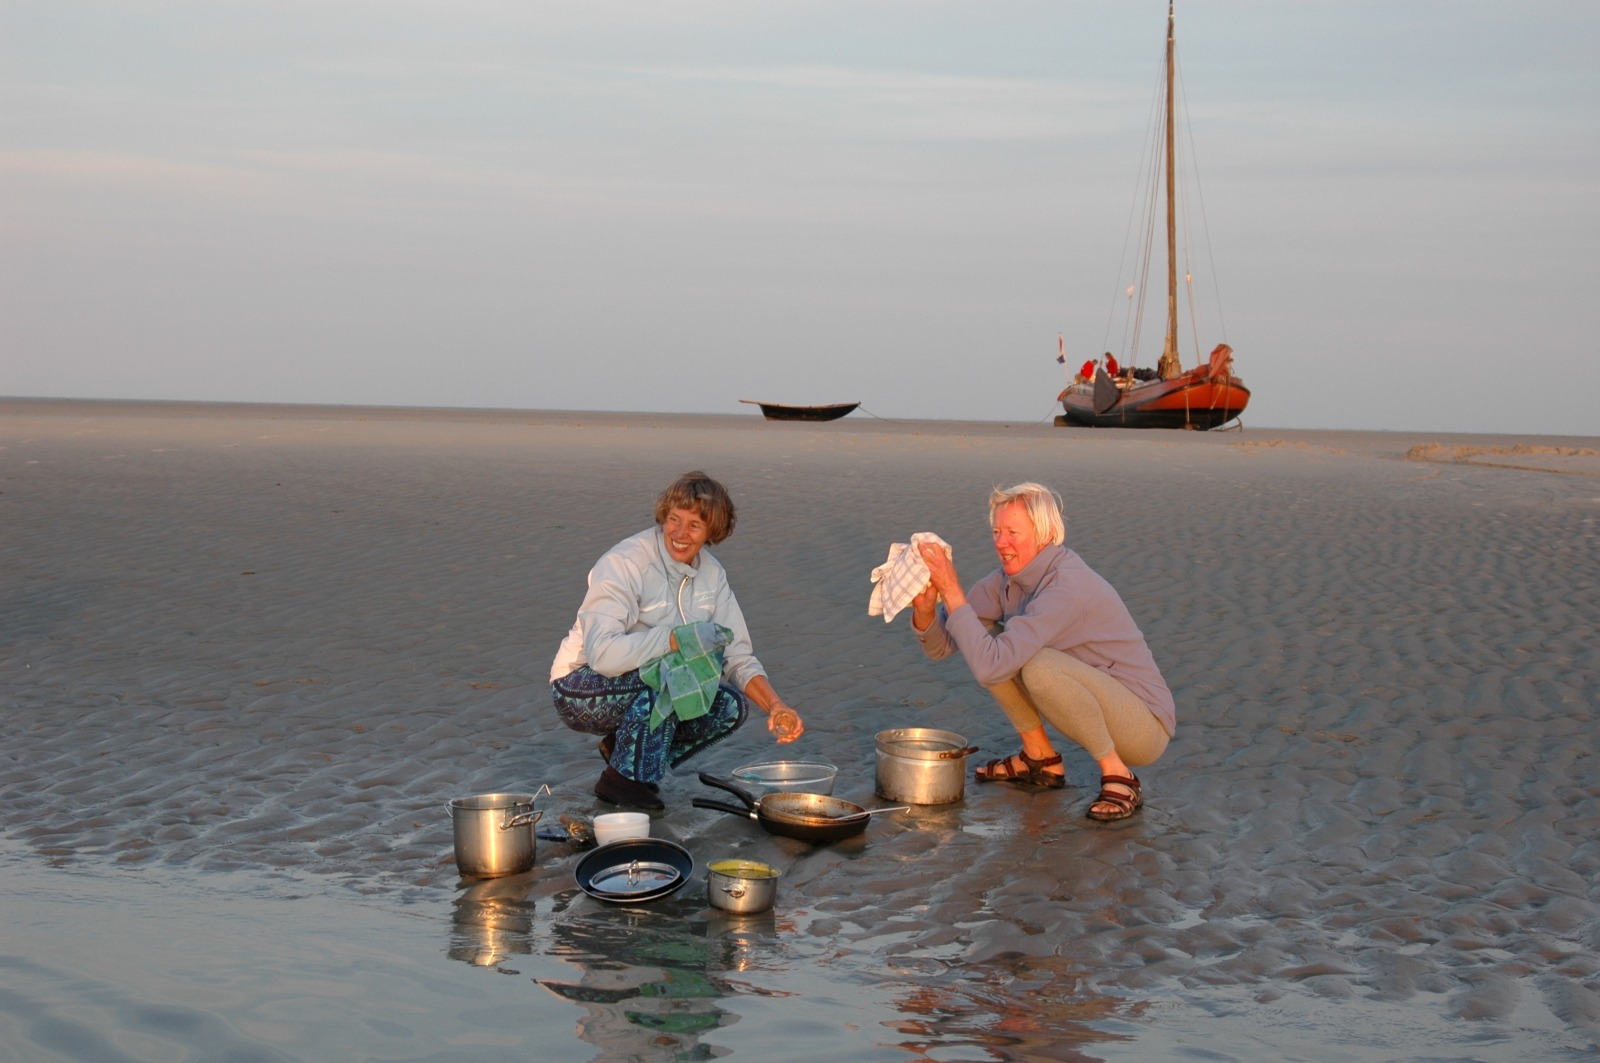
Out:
{"x": 634, "y": 878}
{"x": 655, "y": 866}
{"x": 641, "y": 898}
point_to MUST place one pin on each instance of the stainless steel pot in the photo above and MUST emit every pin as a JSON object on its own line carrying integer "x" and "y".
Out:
{"x": 922, "y": 766}
{"x": 741, "y": 886}
{"x": 494, "y": 834}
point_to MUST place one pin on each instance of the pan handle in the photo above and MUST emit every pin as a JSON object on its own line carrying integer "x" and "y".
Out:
{"x": 957, "y": 754}
{"x": 723, "y": 806}
{"x": 746, "y": 796}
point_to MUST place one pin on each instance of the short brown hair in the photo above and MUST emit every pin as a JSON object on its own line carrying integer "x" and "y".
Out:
{"x": 698, "y": 492}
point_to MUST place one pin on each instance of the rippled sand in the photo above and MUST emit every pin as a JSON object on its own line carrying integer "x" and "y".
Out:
{"x": 249, "y": 654}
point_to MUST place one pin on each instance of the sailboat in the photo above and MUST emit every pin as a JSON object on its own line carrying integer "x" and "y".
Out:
{"x": 1204, "y": 397}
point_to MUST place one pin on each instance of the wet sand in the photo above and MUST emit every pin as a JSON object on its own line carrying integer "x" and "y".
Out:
{"x": 249, "y": 654}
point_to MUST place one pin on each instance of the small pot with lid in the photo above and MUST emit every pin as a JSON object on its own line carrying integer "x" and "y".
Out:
{"x": 743, "y": 887}
{"x": 922, "y": 765}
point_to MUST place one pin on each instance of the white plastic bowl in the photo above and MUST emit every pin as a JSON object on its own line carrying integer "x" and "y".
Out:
{"x": 787, "y": 776}
{"x": 616, "y": 826}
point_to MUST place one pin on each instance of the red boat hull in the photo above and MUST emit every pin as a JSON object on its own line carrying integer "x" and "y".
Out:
{"x": 1195, "y": 400}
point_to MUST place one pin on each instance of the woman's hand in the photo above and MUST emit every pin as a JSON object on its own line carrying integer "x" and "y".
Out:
{"x": 942, "y": 572}
{"x": 784, "y": 723}
{"x": 923, "y": 606}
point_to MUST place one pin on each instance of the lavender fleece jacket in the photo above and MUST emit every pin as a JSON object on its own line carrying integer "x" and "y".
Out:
{"x": 1060, "y": 602}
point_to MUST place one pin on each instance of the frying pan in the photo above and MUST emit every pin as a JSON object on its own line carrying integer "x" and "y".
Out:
{"x": 634, "y": 870}
{"x": 808, "y": 817}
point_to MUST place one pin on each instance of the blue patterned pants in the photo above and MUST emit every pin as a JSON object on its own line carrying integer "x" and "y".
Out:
{"x": 600, "y": 704}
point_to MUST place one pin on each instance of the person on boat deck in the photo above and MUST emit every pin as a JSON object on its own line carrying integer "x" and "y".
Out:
{"x": 1053, "y": 642}
{"x": 1086, "y": 371}
{"x": 659, "y": 661}
{"x": 1111, "y": 364}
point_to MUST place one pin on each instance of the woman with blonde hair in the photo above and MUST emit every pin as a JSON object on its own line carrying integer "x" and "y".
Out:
{"x": 1054, "y": 644}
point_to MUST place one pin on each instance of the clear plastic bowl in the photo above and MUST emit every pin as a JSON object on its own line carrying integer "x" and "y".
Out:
{"x": 787, "y": 776}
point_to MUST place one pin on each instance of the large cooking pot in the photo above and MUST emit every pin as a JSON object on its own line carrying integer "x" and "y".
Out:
{"x": 808, "y": 817}
{"x": 494, "y": 834}
{"x": 922, "y": 765}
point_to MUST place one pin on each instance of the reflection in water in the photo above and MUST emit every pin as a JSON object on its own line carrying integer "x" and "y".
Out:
{"x": 740, "y": 943}
{"x": 656, "y": 978}
{"x": 1029, "y": 1008}
{"x": 651, "y": 974}
{"x": 493, "y": 919}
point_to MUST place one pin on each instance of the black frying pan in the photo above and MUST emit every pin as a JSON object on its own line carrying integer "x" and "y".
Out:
{"x": 808, "y": 817}
{"x": 634, "y": 870}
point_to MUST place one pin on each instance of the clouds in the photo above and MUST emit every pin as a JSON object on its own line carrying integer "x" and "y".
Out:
{"x": 676, "y": 206}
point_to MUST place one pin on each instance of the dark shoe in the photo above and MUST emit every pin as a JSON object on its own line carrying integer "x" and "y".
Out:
{"x": 617, "y": 789}
{"x": 1122, "y": 805}
{"x": 608, "y": 745}
{"x": 1032, "y": 772}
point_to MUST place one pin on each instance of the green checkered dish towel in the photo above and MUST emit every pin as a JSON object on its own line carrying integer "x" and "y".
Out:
{"x": 686, "y": 679}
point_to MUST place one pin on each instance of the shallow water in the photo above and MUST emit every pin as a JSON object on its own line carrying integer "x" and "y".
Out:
{"x": 247, "y": 663}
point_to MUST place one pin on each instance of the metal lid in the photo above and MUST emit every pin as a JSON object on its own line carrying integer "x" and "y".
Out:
{"x": 656, "y": 866}
{"x": 634, "y": 878}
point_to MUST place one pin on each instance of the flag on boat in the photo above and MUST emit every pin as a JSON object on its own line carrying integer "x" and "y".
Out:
{"x": 1061, "y": 349}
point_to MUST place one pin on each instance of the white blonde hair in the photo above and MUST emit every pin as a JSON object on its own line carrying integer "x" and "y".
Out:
{"x": 1043, "y": 507}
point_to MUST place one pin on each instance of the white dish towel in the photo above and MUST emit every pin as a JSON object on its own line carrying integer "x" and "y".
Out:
{"x": 902, "y": 577}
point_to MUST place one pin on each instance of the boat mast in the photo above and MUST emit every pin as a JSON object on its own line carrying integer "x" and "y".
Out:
{"x": 1170, "y": 365}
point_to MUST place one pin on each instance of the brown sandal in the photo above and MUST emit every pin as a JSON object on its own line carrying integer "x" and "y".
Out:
{"x": 1125, "y": 805}
{"x": 1032, "y": 773}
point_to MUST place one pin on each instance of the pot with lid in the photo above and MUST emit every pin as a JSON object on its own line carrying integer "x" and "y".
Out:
{"x": 922, "y": 765}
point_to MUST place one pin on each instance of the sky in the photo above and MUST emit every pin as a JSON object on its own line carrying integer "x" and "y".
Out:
{"x": 673, "y": 206}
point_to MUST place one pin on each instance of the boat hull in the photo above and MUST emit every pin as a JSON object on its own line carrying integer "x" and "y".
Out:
{"x": 774, "y": 411}
{"x": 1194, "y": 401}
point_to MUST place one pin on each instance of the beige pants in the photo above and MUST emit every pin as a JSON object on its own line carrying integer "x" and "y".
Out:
{"x": 1083, "y": 703}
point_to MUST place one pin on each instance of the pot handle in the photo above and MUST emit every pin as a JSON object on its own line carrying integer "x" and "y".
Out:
{"x": 957, "y": 754}
{"x": 746, "y": 796}
{"x": 527, "y": 819}
{"x": 723, "y": 806}
{"x": 733, "y": 891}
